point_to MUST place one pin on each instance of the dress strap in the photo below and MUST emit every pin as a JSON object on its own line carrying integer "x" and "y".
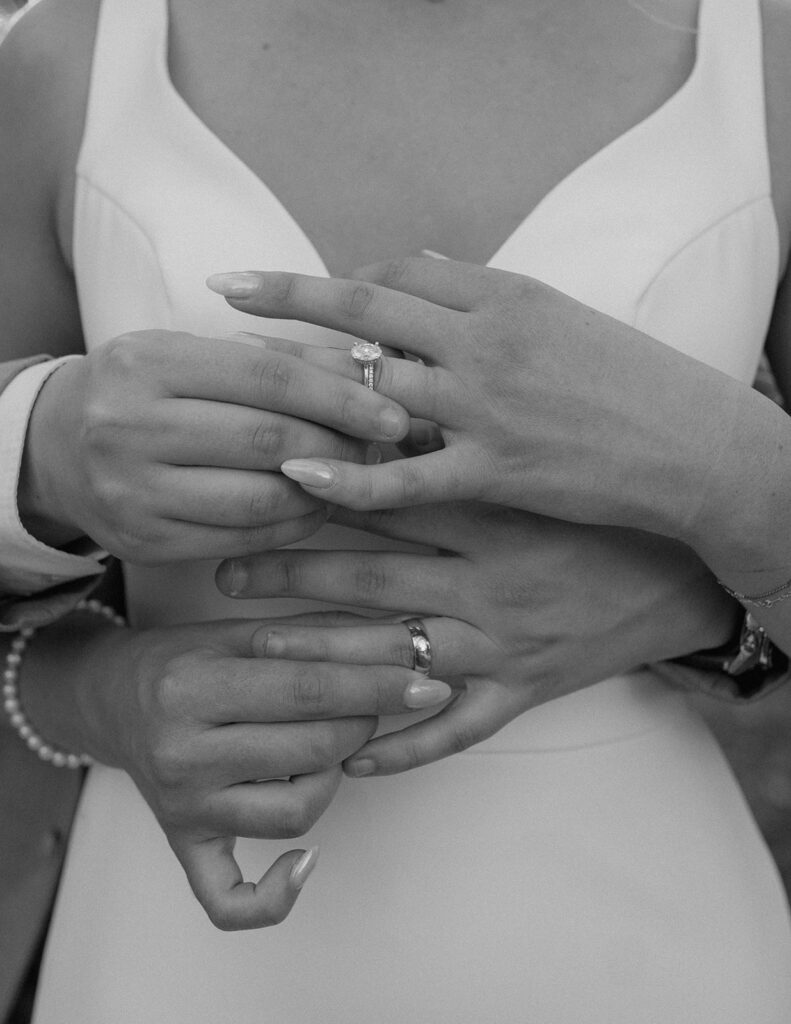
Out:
{"x": 127, "y": 73}
{"x": 730, "y": 83}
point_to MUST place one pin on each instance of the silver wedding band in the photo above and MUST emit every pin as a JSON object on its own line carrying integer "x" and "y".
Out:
{"x": 367, "y": 354}
{"x": 421, "y": 646}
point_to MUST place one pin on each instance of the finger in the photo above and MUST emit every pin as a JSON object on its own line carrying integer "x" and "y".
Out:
{"x": 445, "y": 475}
{"x": 294, "y": 689}
{"x": 457, "y": 648}
{"x": 275, "y": 809}
{"x": 426, "y": 391}
{"x": 479, "y": 712}
{"x": 423, "y": 437}
{"x": 198, "y": 433}
{"x": 174, "y": 541}
{"x": 450, "y": 526}
{"x": 231, "y": 903}
{"x": 366, "y": 579}
{"x": 233, "y": 498}
{"x": 358, "y": 308}
{"x": 444, "y": 282}
{"x": 326, "y": 356}
{"x": 236, "y": 754}
{"x": 245, "y": 375}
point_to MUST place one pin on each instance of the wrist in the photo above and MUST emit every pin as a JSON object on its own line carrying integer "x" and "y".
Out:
{"x": 66, "y": 671}
{"x": 46, "y": 474}
{"x": 742, "y": 526}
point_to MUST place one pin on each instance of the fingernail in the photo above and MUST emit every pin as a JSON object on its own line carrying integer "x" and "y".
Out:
{"x": 391, "y": 423}
{"x": 237, "y": 577}
{"x": 234, "y": 286}
{"x": 314, "y": 474}
{"x": 247, "y": 337}
{"x": 274, "y": 646}
{"x": 359, "y": 769}
{"x": 425, "y": 693}
{"x": 300, "y": 873}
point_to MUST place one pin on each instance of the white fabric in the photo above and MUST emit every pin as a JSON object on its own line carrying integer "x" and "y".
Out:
{"x": 594, "y": 861}
{"x": 28, "y": 565}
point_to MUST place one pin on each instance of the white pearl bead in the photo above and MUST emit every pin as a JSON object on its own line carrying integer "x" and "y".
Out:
{"x": 16, "y": 716}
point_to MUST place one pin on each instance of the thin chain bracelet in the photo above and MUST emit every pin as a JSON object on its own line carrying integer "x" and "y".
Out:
{"x": 781, "y": 593}
{"x": 19, "y": 722}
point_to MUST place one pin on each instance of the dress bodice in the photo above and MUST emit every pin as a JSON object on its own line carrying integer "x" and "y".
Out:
{"x": 670, "y": 227}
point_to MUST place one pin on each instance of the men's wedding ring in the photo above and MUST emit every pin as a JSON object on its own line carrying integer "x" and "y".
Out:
{"x": 421, "y": 646}
{"x": 367, "y": 354}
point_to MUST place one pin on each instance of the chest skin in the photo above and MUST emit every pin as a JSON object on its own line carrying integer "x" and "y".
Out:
{"x": 388, "y": 126}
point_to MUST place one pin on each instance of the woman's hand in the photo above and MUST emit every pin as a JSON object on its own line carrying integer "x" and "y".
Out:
{"x": 220, "y": 743}
{"x": 519, "y": 609}
{"x": 543, "y": 403}
{"x": 164, "y": 446}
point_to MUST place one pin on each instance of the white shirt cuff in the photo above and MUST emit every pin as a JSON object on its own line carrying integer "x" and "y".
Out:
{"x": 27, "y": 565}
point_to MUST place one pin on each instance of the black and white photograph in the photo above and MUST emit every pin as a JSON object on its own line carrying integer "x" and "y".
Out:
{"x": 395, "y": 511}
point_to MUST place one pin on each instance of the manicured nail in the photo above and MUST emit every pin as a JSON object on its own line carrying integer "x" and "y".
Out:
{"x": 237, "y": 577}
{"x": 234, "y": 286}
{"x": 391, "y": 424}
{"x": 359, "y": 769}
{"x": 303, "y": 867}
{"x": 304, "y": 471}
{"x": 425, "y": 693}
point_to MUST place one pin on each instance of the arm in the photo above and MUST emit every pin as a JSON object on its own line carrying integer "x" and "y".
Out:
{"x": 520, "y": 609}
{"x": 549, "y": 406}
{"x": 159, "y": 446}
{"x": 259, "y": 756}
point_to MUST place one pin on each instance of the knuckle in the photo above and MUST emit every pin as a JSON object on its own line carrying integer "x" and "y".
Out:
{"x": 308, "y": 691}
{"x": 370, "y": 580}
{"x": 395, "y": 272}
{"x": 267, "y": 440}
{"x": 170, "y": 773}
{"x": 259, "y": 507}
{"x": 221, "y": 916}
{"x": 274, "y": 379}
{"x": 410, "y": 755}
{"x": 323, "y": 748}
{"x": 355, "y": 299}
{"x": 348, "y": 407}
{"x": 287, "y": 575}
{"x": 409, "y": 482}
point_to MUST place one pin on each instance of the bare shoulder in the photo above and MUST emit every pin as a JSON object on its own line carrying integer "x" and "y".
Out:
{"x": 45, "y": 64}
{"x": 777, "y": 47}
{"x": 44, "y": 73}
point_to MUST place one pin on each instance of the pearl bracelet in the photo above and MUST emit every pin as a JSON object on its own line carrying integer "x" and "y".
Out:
{"x": 19, "y": 722}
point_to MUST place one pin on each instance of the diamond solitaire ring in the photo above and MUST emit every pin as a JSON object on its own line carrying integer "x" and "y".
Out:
{"x": 367, "y": 354}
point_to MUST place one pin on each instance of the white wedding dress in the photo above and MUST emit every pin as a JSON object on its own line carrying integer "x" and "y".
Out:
{"x": 595, "y": 860}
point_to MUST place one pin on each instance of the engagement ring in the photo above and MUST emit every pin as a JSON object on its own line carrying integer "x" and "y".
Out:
{"x": 367, "y": 354}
